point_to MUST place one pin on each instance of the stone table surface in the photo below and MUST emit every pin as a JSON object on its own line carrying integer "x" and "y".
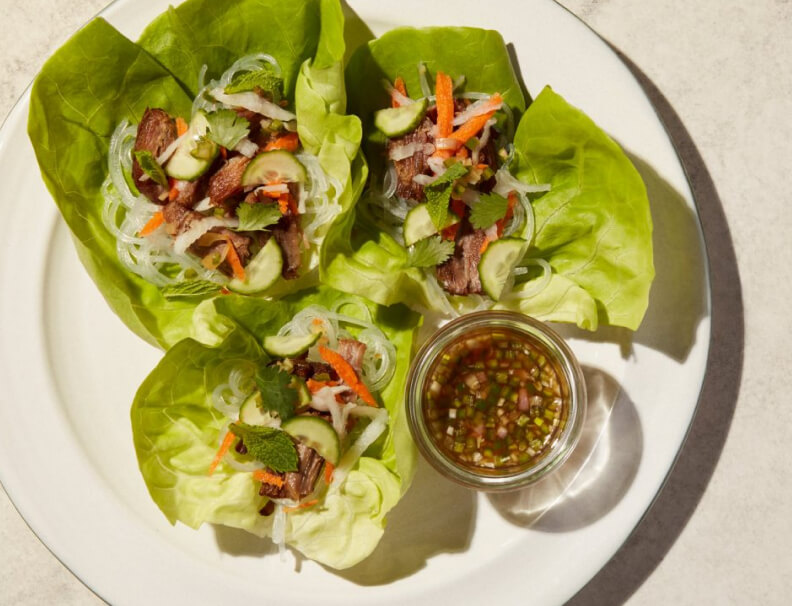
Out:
{"x": 718, "y": 72}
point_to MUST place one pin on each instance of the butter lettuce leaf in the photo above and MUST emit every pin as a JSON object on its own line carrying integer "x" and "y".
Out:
{"x": 99, "y": 78}
{"x": 177, "y": 432}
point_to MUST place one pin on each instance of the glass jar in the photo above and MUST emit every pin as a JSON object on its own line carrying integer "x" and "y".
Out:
{"x": 495, "y": 400}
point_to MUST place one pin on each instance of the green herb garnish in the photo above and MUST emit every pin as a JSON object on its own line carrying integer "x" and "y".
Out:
{"x": 276, "y": 393}
{"x": 149, "y": 165}
{"x": 438, "y": 193}
{"x": 264, "y": 79}
{"x": 253, "y": 217}
{"x": 489, "y": 209}
{"x": 227, "y": 128}
{"x": 429, "y": 252}
{"x": 270, "y": 446}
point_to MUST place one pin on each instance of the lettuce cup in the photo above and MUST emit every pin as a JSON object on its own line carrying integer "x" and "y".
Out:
{"x": 478, "y": 199}
{"x": 188, "y": 164}
{"x": 287, "y": 422}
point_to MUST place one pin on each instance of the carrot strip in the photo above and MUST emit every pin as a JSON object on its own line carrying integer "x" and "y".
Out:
{"x": 224, "y": 152}
{"x": 301, "y": 506}
{"x": 501, "y": 223}
{"x": 234, "y": 262}
{"x": 328, "y": 472}
{"x": 181, "y": 126}
{"x": 289, "y": 142}
{"x": 283, "y": 204}
{"x": 173, "y": 192}
{"x": 476, "y": 123}
{"x": 268, "y": 478}
{"x": 484, "y": 246}
{"x": 398, "y": 84}
{"x": 347, "y": 374}
{"x": 458, "y": 207}
{"x": 224, "y": 446}
{"x": 153, "y": 223}
{"x": 314, "y": 386}
{"x": 462, "y": 152}
{"x": 444, "y": 93}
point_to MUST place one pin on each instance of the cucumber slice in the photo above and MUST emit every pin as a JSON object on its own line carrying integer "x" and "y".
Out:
{"x": 418, "y": 224}
{"x": 276, "y": 165}
{"x": 398, "y": 121}
{"x": 251, "y": 412}
{"x": 497, "y": 264}
{"x": 195, "y": 153}
{"x": 288, "y": 346}
{"x": 316, "y": 433}
{"x": 262, "y": 271}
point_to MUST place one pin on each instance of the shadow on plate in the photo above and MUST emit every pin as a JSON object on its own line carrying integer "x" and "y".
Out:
{"x": 435, "y": 516}
{"x": 652, "y": 539}
{"x": 597, "y": 474}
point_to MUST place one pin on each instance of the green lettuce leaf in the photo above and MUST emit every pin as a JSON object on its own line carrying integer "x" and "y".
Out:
{"x": 593, "y": 226}
{"x": 359, "y": 257}
{"x": 177, "y": 432}
{"x": 100, "y": 78}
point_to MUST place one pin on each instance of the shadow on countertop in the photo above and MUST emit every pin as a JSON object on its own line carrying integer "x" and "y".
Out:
{"x": 685, "y": 485}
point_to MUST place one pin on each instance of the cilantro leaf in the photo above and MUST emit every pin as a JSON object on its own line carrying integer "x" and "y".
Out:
{"x": 253, "y": 217}
{"x": 438, "y": 193}
{"x": 489, "y": 209}
{"x": 190, "y": 288}
{"x": 264, "y": 79}
{"x": 149, "y": 165}
{"x": 276, "y": 393}
{"x": 270, "y": 446}
{"x": 429, "y": 252}
{"x": 227, "y": 128}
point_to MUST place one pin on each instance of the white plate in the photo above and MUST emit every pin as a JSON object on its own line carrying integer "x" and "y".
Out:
{"x": 69, "y": 369}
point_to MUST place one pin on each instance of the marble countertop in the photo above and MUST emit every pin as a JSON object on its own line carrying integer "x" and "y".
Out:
{"x": 718, "y": 73}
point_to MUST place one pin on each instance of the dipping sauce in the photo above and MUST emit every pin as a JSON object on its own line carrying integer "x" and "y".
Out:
{"x": 496, "y": 399}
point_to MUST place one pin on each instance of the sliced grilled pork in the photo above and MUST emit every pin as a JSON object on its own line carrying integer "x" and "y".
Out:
{"x": 459, "y": 274}
{"x": 227, "y": 181}
{"x": 414, "y": 165}
{"x": 156, "y": 132}
{"x": 289, "y": 237}
{"x": 352, "y": 351}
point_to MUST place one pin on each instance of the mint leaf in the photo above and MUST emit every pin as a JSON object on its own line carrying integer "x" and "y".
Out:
{"x": 276, "y": 393}
{"x": 270, "y": 446}
{"x": 438, "y": 193}
{"x": 265, "y": 80}
{"x": 253, "y": 217}
{"x": 149, "y": 165}
{"x": 429, "y": 252}
{"x": 190, "y": 288}
{"x": 489, "y": 209}
{"x": 227, "y": 128}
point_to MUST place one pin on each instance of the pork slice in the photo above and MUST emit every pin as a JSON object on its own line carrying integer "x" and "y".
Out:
{"x": 191, "y": 192}
{"x": 352, "y": 351}
{"x": 306, "y": 369}
{"x": 459, "y": 273}
{"x": 300, "y": 483}
{"x": 288, "y": 235}
{"x": 414, "y": 165}
{"x": 227, "y": 181}
{"x": 156, "y": 131}
{"x": 179, "y": 217}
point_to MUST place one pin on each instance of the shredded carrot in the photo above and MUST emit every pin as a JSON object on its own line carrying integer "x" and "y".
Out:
{"x": 173, "y": 192}
{"x": 476, "y": 123}
{"x": 398, "y": 84}
{"x": 224, "y": 152}
{"x": 462, "y": 152}
{"x": 482, "y": 166}
{"x": 484, "y": 246}
{"x": 181, "y": 126}
{"x": 153, "y": 223}
{"x": 347, "y": 374}
{"x": 283, "y": 204}
{"x": 301, "y": 506}
{"x": 458, "y": 207}
{"x": 234, "y": 262}
{"x": 269, "y": 194}
{"x": 328, "y": 472}
{"x": 501, "y": 223}
{"x": 314, "y": 386}
{"x": 224, "y": 446}
{"x": 444, "y": 92}
{"x": 317, "y": 322}
{"x": 268, "y": 478}
{"x": 289, "y": 142}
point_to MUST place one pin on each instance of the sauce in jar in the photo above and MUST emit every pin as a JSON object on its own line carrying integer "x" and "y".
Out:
{"x": 495, "y": 400}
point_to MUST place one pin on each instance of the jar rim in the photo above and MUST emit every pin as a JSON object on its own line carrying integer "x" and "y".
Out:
{"x": 480, "y": 479}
